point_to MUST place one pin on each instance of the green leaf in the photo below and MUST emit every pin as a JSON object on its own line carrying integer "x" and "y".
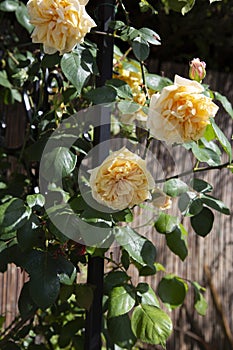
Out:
{"x": 188, "y": 7}
{"x": 25, "y": 303}
{"x": 215, "y": 204}
{"x": 147, "y": 295}
{"x": 200, "y": 185}
{"x": 172, "y": 291}
{"x": 21, "y": 14}
{"x": 58, "y": 163}
{"x": 4, "y": 80}
{"x": 113, "y": 279}
{"x": 34, "y": 200}
{"x": 125, "y": 259}
{"x": 13, "y": 215}
{"x": 103, "y": 94}
{"x": 150, "y": 35}
{"x": 151, "y": 324}
{"x": 44, "y": 285}
{"x": 141, "y": 48}
{"x": 121, "y": 300}
{"x": 202, "y": 223}
{"x": 156, "y": 82}
{"x": 206, "y": 155}
{"x": 84, "y": 296}
{"x": 73, "y": 69}
{"x": 128, "y": 107}
{"x": 166, "y": 223}
{"x": 68, "y": 279}
{"x": 209, "y": 134}
{"x": 200, "y": 303}
{"x": 120, "y": 331}
{"x": 139, "y": 248}
{"x": 222, "y": 139}
{"x": 122, "y": 88}
{"x": 225, "y": 103}
{"x": 9, "y": 5}
{"x": 30, "y": 235}
{"x": 177, "y": 241}
{"x": 69, "y": 330}
{"x": 175, "y": 187}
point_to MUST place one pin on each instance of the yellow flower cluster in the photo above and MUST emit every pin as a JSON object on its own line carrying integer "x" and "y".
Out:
{"x": 129, "y": 71}
{"x": 59, "y": 24}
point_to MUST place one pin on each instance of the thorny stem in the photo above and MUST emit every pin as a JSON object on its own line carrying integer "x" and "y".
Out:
{"x": 104, "y": 33}
{"x": 126, "y": 13}
{"x": 196, "y": 170}
{"x": 144, "y": 80}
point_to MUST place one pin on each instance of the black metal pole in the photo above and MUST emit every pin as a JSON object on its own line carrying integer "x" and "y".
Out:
{"x": 104, "y": 10}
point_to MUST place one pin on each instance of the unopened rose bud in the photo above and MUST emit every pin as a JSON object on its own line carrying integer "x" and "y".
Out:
{"x": 197, "y": 70}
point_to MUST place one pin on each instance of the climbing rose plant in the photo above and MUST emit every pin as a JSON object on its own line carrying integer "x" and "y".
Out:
{"x": 70, "y": 194}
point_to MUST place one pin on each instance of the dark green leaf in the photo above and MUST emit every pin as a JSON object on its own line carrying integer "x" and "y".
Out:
{"x": 225, "y": 103}
{"x": 150, "y": 35}
{"x": 202, "y": 223}
{"x": 141, "y": 48}
{"x": 215, "y": 204}
{"x": 125, "y": 259}
{"x": 138, "y": 247}
{"x": 222, "y": 139}
{"x": 151, "y": 324}
{"x": 30, "y": 235}
{"x": 123, "y": 89}
{"x": 113, "y": 279}
{"x": 44, "y": 283}
{"x": 177, "y": 241}
{"x": 102, "y": 94}
{"x": 69, "y": 330}
{"x": 84, "y": 295}
{"x": 175, "y": 187}
{"x": 147, "y": 295}
{"x": 121, "y": 301}
{"x": 25, "y": 303}
{"x": 172, "y": 291}
{"x": 200, "y": 185}
{"x": 166, "y": 223}
{"x": 13, "y": 215}
{"x": 120, "y": 331}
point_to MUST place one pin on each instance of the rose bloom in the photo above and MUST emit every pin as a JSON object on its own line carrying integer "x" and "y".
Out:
{"x": 197, "y": 70}
{"x": 59, "y": 24}
{"x": 181, "y": 112}
{"x": 121, "y": 181}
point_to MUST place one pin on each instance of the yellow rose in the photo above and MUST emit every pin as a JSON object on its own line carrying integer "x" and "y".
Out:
{"x": 121, "y": 181}
{"x": 59, "y": 24}
{"x": 181, "y": 112}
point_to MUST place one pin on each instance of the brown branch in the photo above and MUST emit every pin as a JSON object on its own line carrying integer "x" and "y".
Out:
{"x": 219, "y": 307}
{"x": 196, "y": 337}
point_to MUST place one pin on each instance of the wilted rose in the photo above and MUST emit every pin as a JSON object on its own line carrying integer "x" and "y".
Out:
{"x": 59, "y": 24}
{"x": 181, "y": 112}
{"x": 121, "y": 181}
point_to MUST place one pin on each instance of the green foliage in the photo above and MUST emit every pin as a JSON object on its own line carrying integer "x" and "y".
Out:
{"x": 52, "y": 305}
